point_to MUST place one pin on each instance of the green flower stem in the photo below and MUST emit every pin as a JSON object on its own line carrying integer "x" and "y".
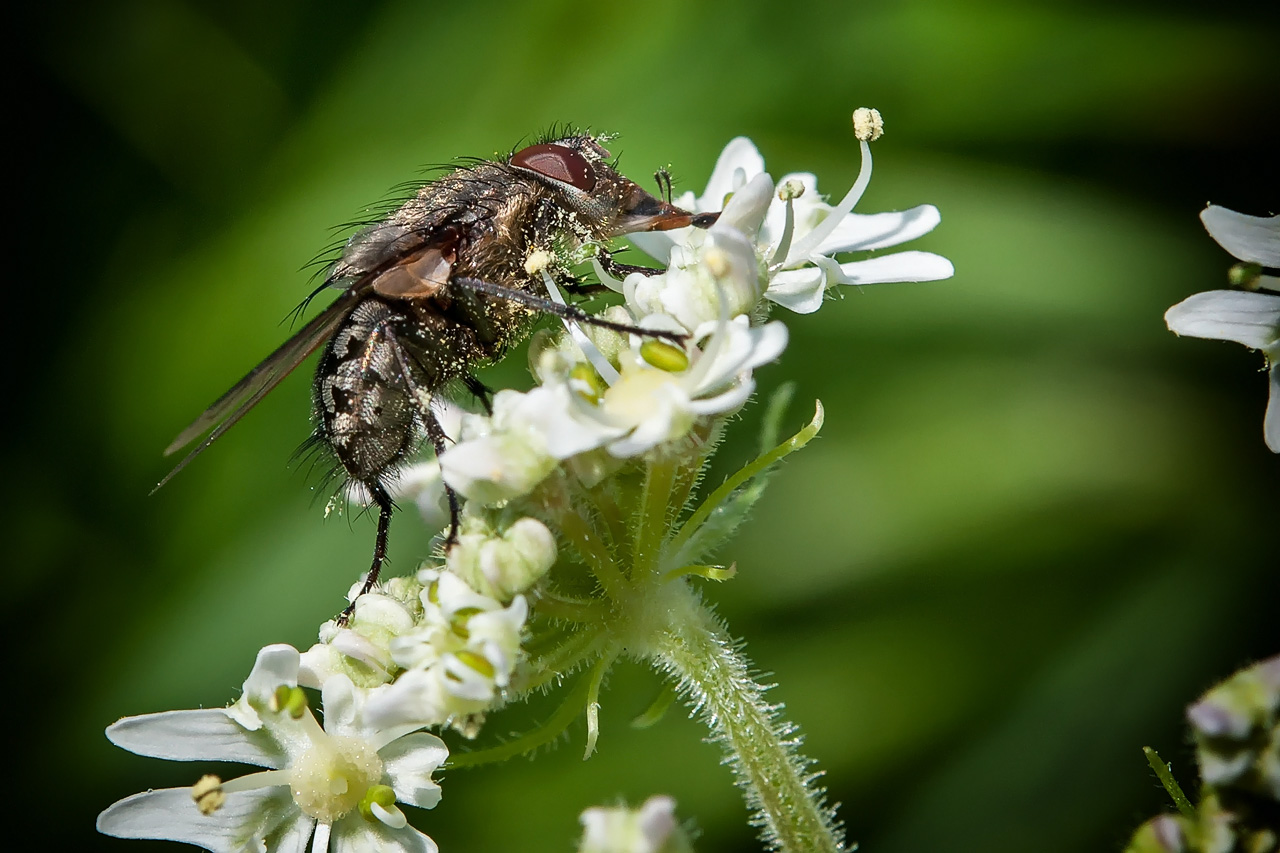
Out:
{"x": 585, "y": 540}
{"x": 549, "y": 731}
{"x": 651, "y": 526}
{"x": 1165, "y": 775}
{"x": 560, "y": 660}
{"x": 742, "y": 475}
{"x": 713, "y": 676}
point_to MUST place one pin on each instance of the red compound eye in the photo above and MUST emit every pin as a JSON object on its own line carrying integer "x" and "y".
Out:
{"x": 558, "y": 163}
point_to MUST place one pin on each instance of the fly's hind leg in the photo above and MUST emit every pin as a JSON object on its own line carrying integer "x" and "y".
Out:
{"x": 435, "y": 432}
{"x": 382, "y": 500}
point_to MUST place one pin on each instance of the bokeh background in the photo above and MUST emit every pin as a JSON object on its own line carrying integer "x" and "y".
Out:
{"x": 1035, "y": 526}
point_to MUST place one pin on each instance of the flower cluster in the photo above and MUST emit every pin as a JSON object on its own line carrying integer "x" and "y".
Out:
{"x": 1250, "y": 314}
{"x": 577, "y": 530}
{"x": 601, "y": 396}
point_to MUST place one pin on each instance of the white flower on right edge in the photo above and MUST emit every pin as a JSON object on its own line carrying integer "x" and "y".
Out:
{"x": 1244, "y": 316}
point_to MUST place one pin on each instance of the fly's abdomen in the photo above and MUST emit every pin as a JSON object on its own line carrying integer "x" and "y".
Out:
{"x": 363, "y": 406}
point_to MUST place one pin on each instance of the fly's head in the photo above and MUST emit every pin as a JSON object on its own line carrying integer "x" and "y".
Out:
{"x": 604, "y": 201}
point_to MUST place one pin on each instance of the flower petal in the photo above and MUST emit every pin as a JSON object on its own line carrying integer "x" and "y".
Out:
{"x": 409, "y": 763}
{"x": 801, "y": 290}
{"x": 739, "y": 162}
{"x": 900, "y": 266}
{"x": 263, "y": 819}
{"x": 202, "y": 735}
{"x": 861, "y": 232}
{"x": 1249, "y": 238}
{"x": 746, "y": 210}
{"x": 354, "y": 834}
{"x": 1271, "y": 423}
{"x": 1252, "y": 319}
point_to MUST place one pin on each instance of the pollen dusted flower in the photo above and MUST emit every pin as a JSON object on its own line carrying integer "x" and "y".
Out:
{"x": 334, "y": 786}
{"x": 1249, "y": 317}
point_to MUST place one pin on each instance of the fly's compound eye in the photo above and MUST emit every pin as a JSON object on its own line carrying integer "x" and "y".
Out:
{"x": 558, "y": 163}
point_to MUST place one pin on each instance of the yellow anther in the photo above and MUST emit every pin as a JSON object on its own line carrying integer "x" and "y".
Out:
{"x": 207, "y": 794}
{"x": 868, "y": 126}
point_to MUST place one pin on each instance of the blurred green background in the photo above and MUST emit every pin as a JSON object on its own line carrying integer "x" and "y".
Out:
{"x": 1035, "y": 526}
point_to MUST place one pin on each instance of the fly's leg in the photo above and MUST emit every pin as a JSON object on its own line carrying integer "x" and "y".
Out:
{"x": 385, "y": 507}
{"x": 482, "y": 392}
{"x": 435, "y": 433}
{"x": 567, "y": 312}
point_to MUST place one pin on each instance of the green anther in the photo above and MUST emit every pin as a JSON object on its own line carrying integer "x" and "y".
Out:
{"x": 479, "y": 663}
{"x": 588, "y": 384}
{"x": 383, "y": 795}
{"x": 280, "y": 698}
{"x": 292, "y": 701}
{"x": 664, "y": 356}
{"x": 433, "y": 592}
{"x": 1244, "y": 275}
{"x": 458, "y": 624}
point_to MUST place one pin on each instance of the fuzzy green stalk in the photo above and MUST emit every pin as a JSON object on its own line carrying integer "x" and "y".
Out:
{"x": 710, "y": 672}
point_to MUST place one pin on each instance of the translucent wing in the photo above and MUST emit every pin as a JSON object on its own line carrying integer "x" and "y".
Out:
{"x": 247, "y": 393}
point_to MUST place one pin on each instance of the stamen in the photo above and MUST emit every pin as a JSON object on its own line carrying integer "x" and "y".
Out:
{"x": 788, "y": 192}
{"x": 597, "y": 359}
{"x": 810, "y": 242}
{"x": 254, "y": 781}
{"x": 664, "y": 356}
{"x": 208, "y": 794}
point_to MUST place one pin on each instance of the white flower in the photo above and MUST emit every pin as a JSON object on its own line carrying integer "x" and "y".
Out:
{"x": 1249, "y": 318}
{"x": 456, "y": 661}
{"x": 360, "y": 649}
{"x": 335, "y": 786}
{"x": 794, "y": 233}
{"x": 655, "y": 402}
{"x": 651, "y": 828}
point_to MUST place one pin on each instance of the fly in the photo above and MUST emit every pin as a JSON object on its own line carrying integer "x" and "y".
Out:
{"x": 438, "y": 288}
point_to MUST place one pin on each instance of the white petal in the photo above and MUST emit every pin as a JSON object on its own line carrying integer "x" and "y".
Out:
{"x": 859, "y": 232}
{"x": 1249, "y": 238}
{"x": 901, "y": 266}
{"x": 248, "y": 821}
{"x": 727, "y": 401}
{"x": 1252, "y": 319}
{"x": 414, "y": 699}
{"x": 746, "y": 210}
{"x": 409, "y": 763}
{"x": 656, "y": 244}
{"x": 203, "y": 735}
{"x": 738, "y": 163}
{"x": 354, "y": 834}
{"x": 341, "y": 704}
{"x": 800, "y": 290}
{"x": 275, "y": 665}
{"x": 1271, "y": 423}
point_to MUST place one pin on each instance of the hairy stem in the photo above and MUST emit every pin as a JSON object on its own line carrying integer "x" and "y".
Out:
{"x": 714, "y": 677}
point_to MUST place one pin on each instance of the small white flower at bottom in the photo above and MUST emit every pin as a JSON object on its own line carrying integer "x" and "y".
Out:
{"x": 331, "y": 788}
{"x": 652, "y": 828}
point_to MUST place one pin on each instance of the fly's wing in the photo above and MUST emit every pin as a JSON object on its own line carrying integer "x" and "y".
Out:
{"x": 249, "y": 391}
